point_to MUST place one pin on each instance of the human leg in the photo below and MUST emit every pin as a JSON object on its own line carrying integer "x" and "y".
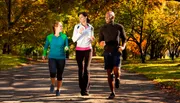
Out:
{"x": 111, "y": 83}
{"x": 79, "y": 59}
{"x": 86, "y": 76}
{"x": 117, "y": 68}
{"x": 52, "y": 71}
{"x": 117, "y": 76}
{"x": 60, "y": 70}
{"x": 108, "y": 61}
{"x": 110, "y": 79}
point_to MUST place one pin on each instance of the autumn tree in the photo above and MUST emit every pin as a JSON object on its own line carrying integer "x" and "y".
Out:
{"x": 171, "y": 29}
{"x": 23, "y": 24}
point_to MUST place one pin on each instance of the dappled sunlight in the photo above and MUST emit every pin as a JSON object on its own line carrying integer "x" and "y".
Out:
{"x": 6, "y": 88}
{"x": 167, "y": 75}
{"x": 3, "y": 82}
{"x": 157, "y": 65}
{"x": 167, "y": 80}
{"x": 31, "y": 84}
{"x": 11, "y": 101}
{"x": 18, "y": 84}
{"x": 31, "y": 89}
{"x": 10, "y": 62}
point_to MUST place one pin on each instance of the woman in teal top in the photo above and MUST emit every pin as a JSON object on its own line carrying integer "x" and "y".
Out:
{"x": 58, "y": 43}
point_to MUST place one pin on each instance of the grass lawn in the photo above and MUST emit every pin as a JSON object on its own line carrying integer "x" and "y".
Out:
{"x": 166, "y": 72}
{"x": 9, "y": 61}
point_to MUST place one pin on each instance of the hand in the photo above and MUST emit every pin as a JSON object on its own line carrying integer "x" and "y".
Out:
{"x": 121, "y": 48}
{"x": 81, "y": 29}
{"x": 66, "y": 48}
{"x": 102, "y": 43}
{"x": 43, "y": 57}
{"x": 92, "y": 38}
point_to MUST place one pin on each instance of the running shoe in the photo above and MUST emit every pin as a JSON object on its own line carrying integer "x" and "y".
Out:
{"x": 112, "y": 96}
{"x": 57, "y": 92}
{"x": 52, "y": 88}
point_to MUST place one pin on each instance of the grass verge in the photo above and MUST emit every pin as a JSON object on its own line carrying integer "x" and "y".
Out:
{"x": 9, "y": 61}
{"x": 165, "y": 72}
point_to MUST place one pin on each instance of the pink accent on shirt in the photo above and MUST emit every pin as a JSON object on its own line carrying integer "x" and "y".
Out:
{"x": 83, "y": 48}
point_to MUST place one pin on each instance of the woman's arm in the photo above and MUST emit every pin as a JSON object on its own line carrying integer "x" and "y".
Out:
{"x": 92, "y": 34}
{"x": 66, "y": 44}
{"x": 76, "y": 33}
{"x": 45, "y": 48}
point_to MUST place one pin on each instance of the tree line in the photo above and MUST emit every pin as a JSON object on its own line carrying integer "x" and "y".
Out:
{"x": 152, "y": 26}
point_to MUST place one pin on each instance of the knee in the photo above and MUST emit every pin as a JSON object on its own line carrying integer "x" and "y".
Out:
{"x": 52, "y": 75}
{"x": 110, "y": 76}
{"x": 59, "y": 77}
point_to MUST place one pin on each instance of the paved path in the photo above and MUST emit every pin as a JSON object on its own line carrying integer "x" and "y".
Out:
{"x": 31, "y": 84}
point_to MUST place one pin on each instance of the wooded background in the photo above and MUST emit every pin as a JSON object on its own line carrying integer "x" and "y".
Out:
{"x": 152, "y": 26}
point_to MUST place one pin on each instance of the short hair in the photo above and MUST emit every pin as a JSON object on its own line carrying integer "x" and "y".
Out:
{"x": 111, "y": 14}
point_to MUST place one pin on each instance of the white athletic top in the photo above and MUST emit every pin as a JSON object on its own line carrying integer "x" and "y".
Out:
{"x": 83, "y": 40}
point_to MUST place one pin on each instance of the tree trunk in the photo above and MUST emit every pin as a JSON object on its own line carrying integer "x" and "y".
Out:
{"x": 143, "y": 55}
{"x": 172, "y": 56}
{"x": 177, "y": 54}
{"x": 6, "y": 47}
{"x": 9, "y": 25}
{"x": 152, "y": 51}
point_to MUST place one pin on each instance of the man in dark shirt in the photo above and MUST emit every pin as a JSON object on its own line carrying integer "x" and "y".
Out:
{"x": 109, "y": 38}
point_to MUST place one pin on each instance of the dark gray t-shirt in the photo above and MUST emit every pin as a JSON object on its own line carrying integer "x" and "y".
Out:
{"x": 111, "y": 34}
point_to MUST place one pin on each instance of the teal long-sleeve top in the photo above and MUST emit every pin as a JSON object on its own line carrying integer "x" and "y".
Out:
{"x": 57, "y": 46}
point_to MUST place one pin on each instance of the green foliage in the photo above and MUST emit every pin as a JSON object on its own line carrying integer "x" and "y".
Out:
{"x": 144, "y": 21}
{"x": 164, "y": 72}
{"x": 99, "y": 50}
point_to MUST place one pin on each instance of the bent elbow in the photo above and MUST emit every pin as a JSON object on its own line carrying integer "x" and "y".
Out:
{"x": 74, "y": 40}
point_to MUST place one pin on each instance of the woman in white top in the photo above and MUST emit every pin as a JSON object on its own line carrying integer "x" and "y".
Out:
{"x": 83, "y": 35}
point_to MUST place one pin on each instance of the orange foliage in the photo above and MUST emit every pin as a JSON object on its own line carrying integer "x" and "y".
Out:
{"x": 133, "y": 47}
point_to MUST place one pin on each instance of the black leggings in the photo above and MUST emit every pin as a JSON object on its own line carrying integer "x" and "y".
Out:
{"x": 83, "y": 72}
{"x": 56, "y": 66}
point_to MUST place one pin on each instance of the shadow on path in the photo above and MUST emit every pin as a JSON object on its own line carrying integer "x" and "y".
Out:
{"x": 31, "y": 84}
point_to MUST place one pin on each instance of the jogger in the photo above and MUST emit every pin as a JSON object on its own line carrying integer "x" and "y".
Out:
{"x": 58, "y": 43}
{"x": 109, "y": 38}
{"x": 83, "y": 34}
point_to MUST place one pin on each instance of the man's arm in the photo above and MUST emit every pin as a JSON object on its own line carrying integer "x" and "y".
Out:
{"x": 101, "y": 38}
{"x": 123, "y": 37}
